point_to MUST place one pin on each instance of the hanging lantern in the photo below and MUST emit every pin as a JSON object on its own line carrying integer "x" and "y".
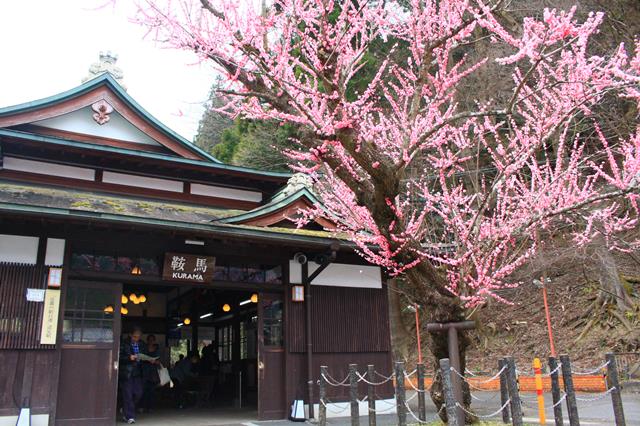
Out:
{"x": 108, "y": 309}
{"x": 136, "y": 270}
{"x": 124, "y": 299}
{"x": 254, "y": 298}
{"x": 134, "y": 299}
{"x": 124, "y": 311}
{"x": 187, "y": 321}
{"x": 142, "y": 298}
{"x": 226, "y": 307}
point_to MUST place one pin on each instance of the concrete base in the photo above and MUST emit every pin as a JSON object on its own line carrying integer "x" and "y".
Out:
{"x": 36, "y": 420}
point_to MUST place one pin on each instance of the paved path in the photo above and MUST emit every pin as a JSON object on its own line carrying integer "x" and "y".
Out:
{"x": 592, "y": 413}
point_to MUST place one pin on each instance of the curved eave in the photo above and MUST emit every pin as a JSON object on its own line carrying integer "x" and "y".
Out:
{"x": 150, "y": 155}
{"x": 107, "y": 80}
{"x": 271, "y": 208}
{"x": 204, "y": 230}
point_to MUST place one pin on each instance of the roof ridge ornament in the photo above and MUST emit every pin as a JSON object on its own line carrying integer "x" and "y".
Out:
{"x": 102, "y": 110}
{"x": 106, "y": 64}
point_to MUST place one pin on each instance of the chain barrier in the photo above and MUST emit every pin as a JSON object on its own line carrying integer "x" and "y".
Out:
{"x": 385, "y": 377}
{"x": 483, "y": 400}
{"x": 484, "y": 416}
{"x": 361, "y": 378}
{"x": 413, "y": 386}
{"x": 468, "y": 383}
{"x": 596, "y": 398}
{"x": 335, "y": 382}
{"x": 412, "y": 413}
{"x": 562, "y": 398}
{"x": 555, "y": 370}
{"x": 332, "y": 411}
{"x": 591, "y": 372}
{"x": 412, "y": 397}
{"x": 481, "y": 382}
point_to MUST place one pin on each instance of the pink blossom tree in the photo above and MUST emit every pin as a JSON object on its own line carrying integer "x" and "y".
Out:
{"x": 393, "y": 162}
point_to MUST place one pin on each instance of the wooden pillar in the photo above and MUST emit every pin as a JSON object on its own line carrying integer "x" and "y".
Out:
{"x": 614, "y": 384}
{"x": 323, "y": 396}
{"x": 371, "y": 395}
{"x": 516, "y": 408}
{"x": 504, "y": 391}
{"x": 422, "y": 403}
{"x": 447, "y": 390}
{"x": 567, "y": 377}
{"x": 353, "y": 395}
{"x": 555, "y": 390}
{"x": 400, "y": 394}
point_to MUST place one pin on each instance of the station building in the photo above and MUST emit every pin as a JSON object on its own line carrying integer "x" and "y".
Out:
{"x": 110, "y": 220}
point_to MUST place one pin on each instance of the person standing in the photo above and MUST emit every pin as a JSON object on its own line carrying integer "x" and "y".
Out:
{"x": 150, "y": 377}
{"x": 130, "y": 373}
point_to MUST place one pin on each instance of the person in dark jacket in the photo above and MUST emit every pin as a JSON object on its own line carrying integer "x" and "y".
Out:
{"x": 130, "y": 373}
{"x": 150, "y": 378}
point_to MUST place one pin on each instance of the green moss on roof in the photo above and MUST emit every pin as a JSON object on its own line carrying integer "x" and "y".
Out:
{"x": 47, "y": 196}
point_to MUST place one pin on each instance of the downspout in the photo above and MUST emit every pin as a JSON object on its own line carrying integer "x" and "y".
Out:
{"x": 306, "y": 281}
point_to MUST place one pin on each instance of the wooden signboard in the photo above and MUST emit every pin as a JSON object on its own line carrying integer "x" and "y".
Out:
{"x": 188, "y": 268}
{"x": 49, "y": 329}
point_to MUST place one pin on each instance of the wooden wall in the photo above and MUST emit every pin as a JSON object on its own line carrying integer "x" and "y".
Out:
{"x": 20, "y": 320}
{"x": 28, "y": 376}
{"x": 350, "y": 326}
{"x": 28, "y": 370}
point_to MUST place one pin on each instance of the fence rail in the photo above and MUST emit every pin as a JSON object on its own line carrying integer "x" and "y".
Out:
{"x": 508, "y": 408}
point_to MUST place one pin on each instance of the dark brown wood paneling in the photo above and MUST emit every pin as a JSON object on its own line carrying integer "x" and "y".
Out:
{"x": 345, "y": 319}
{"x": 13, "y": 366}
{"x": 20, "y": 320}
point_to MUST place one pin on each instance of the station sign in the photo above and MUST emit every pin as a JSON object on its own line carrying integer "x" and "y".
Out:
{"x": 188, "y": 268}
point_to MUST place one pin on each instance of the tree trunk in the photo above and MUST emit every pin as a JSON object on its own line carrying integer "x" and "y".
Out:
{"x": 400, "y": 336}
{"x": 438, "y": 305}
{"x": 613, "y": 290}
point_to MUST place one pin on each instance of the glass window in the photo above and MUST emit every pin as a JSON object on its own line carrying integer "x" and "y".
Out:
{"x": 255, "y": 274}
{"x": 104, "y": 263}
{"x": 272, "y": 323}
{"x": 87, "y": 317}
{"x": 220, "y": 273}
{"x": 273, "y": 274}
{"x": 82, "y": 262}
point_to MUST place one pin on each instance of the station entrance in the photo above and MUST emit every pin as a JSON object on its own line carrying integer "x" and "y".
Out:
{"x": 222, "y": 349}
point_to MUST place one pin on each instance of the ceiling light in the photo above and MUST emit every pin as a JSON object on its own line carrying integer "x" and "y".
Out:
{"x": 254, "y": 298}
{"x": 206, "y": 315}
{"x": 194, "y": 242}
{"x": 226, "y": 307}
{"x": 180, "y": 325}
{"x": 245, "y": 302}
{"x": 187, "y": 321}
{"x": 136, "y": 270}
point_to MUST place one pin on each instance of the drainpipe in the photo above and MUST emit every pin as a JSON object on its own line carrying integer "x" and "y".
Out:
{"x": 306, "y": 281}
